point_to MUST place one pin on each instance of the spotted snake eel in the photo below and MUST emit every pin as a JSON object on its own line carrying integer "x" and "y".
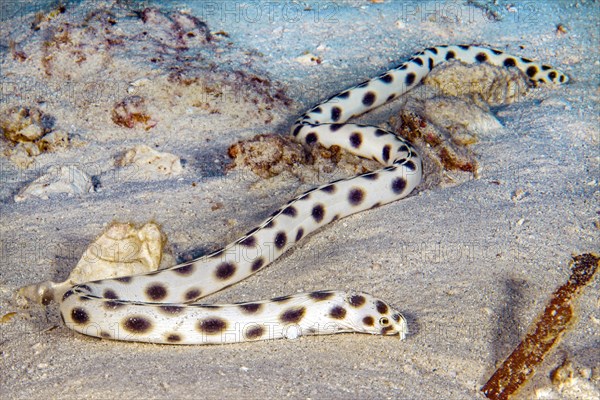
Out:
{"x": 163, "y": 306}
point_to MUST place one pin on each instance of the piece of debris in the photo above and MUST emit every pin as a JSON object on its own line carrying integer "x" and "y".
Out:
{"x": 25, "y": 124}
{"x": 122, "y": 250}
{"x": 543, "y": 334}
{"x": 309, "y": 59}
{"x": 29, "y": 132}
{"x": 57, "y": 180}
{"x": 447, "y": 159}
{"x": 150, "y": 163}
{"x": 267, "y": 155}
{"x": 573, "y": 380}
{"x": 485, "y": 84}
{"x": 450, "y": 113}
{"x": 7, "y": 317}
{"x": 131, "y": 112}
{"x": 271, "y": 155}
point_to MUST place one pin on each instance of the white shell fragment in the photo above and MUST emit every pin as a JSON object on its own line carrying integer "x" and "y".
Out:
{"x": 308, "y": 59}
{"x": 64, "y": 179}
{"x": 122, "y": 250}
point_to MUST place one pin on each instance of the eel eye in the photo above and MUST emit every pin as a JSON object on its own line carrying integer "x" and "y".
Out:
{"x": 384, "y": 321}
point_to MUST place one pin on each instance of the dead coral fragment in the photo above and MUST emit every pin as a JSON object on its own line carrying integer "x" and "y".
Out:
{"x": 122, "y": 250}
{"x": 573, "y": 380}
{"x": 267, "y": 155}
{"x": 150, "y": 163}
{"x": 451, "y": 112}
{"x": 446, "y": 152}
{"x": 270, "y": 155}
{"x": 484, "y": 83}
{"x": 24, "y": 124}
{"x": 131, "y": 112}
{"x": 453, "y": 162}
{"x": 544, "y": 334}
{"x": 463, "y": 119}
{"x": 53, "y": 141}
{"x": 29, "y": 133}
{"x": 57, "y": 180}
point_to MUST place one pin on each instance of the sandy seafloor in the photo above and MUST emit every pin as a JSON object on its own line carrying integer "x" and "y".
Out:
{"x": 470, "y": 266}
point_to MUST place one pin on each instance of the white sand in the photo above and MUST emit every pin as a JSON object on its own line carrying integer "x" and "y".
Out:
{"x": 469, "y": 266}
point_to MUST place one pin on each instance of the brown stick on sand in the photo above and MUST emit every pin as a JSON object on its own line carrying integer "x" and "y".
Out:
{"x": 543, "y": 334}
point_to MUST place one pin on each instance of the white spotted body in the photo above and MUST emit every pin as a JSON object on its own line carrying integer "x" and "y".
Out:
{"x": 163, "y": 307}
{"x": 323, "y": 312}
